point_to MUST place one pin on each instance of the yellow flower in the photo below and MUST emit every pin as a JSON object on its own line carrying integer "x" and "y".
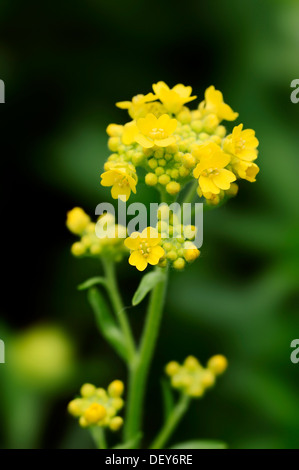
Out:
{"x": 137, "y": 104}
{"x": 245, "y": 170}
{"x": 210, "y": 171}
{"x": 77, "y": 220}
{"x": 123, "y": 180}
{"x": 173, "y": 99}
{"x": 144, "y": 248}
{"x": 214, "y": 103}
{"x": 242, "y": 143}
{"x": 129, "y": 133}
{"x": 156, "y": 131}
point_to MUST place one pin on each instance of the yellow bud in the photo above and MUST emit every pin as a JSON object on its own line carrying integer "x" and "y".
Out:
{"x": 116, "y": 388}
{"x": 164, "y": 179}
{"x": 87, "y": 390}
{"x": 82, "y": 421}
{"x": 151, "y": 179}
{"x": 173, "y": 188}
{"x": 184, "y": 116}
{"x": 113, "y": 143}
{"x": 95, "y": 249}
{"x": 189, "y": 160}
{"x": 179, "y": 264}
{"x": 221, "y": 131}
{"x": 74, "y": 407}
{"x": 87, "y": 240}
{"x": 117, "y": 403}
{"x": 195, "y": 391}
{"x": 197, "y": 125}
{"x": 116, "y": 423}
{"x": 207, "y": 378}
{"x": 137, "y": 158}
{"x": 173, "y": 148}
{"x": 172, "y": 255}
{"x": 94, "y": 413}
{"x": 204, "y": 136}
{"x": 217, "y": 364}
{"x": 184, "y": 172}
{"x": 159, "y": 153}
{"x": 162, "y": 162}
{"x": 159, "y": 171}
{"x": 101, "y": 393}
{"x": 114, "y": 130}
{"x": 77, "y": 220}
{"x": 196, "y": 114}
{"x": 216, "y": 139}
{"x": 153, "y": 163}
{"x": 172, "y": 368}
{"x": 167, "y": 246}
{"x": 211, "y": 122}
{"x": 191, "y": 363}
{"x": 233, "y": 190}
{"x": 78, "y": 249}
{"x": 174, "y": 174}
{"x": 190, "y": 252}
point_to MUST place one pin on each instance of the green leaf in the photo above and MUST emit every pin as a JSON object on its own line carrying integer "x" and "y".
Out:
{"x": 131, "y": 443}
{"x": 92, "y": 282}
{"x": 168, "y": 399}
{"x": 200, "y": 445}
{"x": 147, "y": 283}
{"x": 106, "y": 322}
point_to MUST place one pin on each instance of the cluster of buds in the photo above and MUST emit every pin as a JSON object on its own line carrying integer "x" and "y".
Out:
{"x": 175, "y": 144}
{"x": 103, "y": 238}
{"x": 191, "y": 378}
{"x": 98, "y": 407}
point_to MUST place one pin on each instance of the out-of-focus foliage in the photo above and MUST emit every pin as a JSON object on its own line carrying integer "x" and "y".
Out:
{"x": 64, "y": 68}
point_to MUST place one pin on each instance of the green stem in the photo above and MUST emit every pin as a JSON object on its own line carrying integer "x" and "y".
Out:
{"x": 171, "y": 423}
{"x": 140, "y": 369}
{"x": 98, "y": 435}
{"x": 191, "y": 193}
{"x": 116, "y": 301}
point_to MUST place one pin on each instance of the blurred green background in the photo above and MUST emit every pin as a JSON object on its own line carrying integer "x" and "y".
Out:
{"x": 65, "y": 64}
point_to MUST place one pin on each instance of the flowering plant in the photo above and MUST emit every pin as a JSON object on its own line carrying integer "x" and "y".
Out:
{"x": 186, "y": 155}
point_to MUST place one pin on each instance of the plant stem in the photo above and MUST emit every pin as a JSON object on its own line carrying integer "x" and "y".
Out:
{"x": 98, "y": 435}
{"x": 140, "y": 369}
{"x": 172, "y": 422}
{"x": 116, "y": 301}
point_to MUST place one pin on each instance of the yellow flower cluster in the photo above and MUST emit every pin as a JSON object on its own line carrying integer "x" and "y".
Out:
{"x": 175, "y": 144}
{"x": 98, "y": 407}
{"x": 192, "y": 378}
{"x": 103, "y": 238}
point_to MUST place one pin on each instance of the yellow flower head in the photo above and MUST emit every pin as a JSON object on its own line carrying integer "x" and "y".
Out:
{"x": 242, "y": 143}
{"x": 77, "y": 220}
{"x": 98, "y": 407}
{"x": 145, "y": 248}
{"x": 137, "y": 105}
{"x": 122, "y": 178}
{"x": 175, "y": 98}
{"x": 214, "y": 103}
{"x": 156, "y": 131}
{"x": 210, "y": 171}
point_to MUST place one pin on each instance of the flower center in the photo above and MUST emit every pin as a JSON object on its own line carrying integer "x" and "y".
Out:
{"x": 144, "y": 249}
{"x": 210, "y": 172}
{"x": 240, "y": 145}
{"x": 157, "y": 133}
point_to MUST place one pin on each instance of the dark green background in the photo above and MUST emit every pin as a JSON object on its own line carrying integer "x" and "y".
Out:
{"x": 65, "y": 64}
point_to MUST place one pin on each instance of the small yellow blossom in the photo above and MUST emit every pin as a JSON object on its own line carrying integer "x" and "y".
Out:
{"x": 173, "y": 99}
{"x": 245, "y": 170}
{"x": 242, "y": 143}
{"x": 145, "y": 248}
{"x": 137, "y": 105}
{"x": 123, "y": 180}
{"x": 156, "y": 131}
{"x": 98, "y": 407}
{"x": 210, "y": 171}
{"x": 217, "y": 364}
{"x": 77, "y": 220}
{"x": 214, "y": 103}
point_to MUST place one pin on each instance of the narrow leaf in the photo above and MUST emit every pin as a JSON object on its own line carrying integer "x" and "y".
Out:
{"x": 106, "y": 322}
{"x": 92, "y": 282}
{"x": 202, "y": 444}
{"x": 147, "y": 283}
